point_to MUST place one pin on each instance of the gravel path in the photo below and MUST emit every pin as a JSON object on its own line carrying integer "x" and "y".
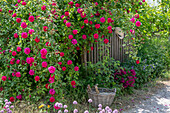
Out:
{"x": 158, "y": 103}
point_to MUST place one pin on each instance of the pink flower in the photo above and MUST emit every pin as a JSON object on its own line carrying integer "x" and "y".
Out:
{"x": 37, "y": 40}
{"x": 52, "y": 91}
{"x": 84, "y": 37}
{"x": 64, "y": 20}
{"x": 69, "y": 62}
{"x": 80, "y": 10}
{"x": 76, "y": 68}
{"x": 13, "y": 74}
{"x": 106, "y": 41}
{"x": 31, "y": 18}
{"x": 18, "y": 1}
{"x": 24, "y": 35}
{"x": 15, "y": 35}
{"x": 97, "y": 26}
{"x": 96, "y": 36}
{"x": 109, "y": 27}
{"x": 14, "y": 15}
{"x": 27, "y": 50}
{"x": 43, "y": 51}
{"x": 18, "y": 74}
{"x": 19, "y": 97}
{"x": 109, "y": 20}
{"x": 74, "y": 41}
{"x": 31, "y": 72}
{"x": 18, "y": 20}
{"x": 61, "y": 54}
{"x": 18, "y": 61}
{"x": 60, "y": 63}
{"x": 138, "y": 23}
{"x": 51, "y": 69}
{"x": 4, "y": 78}
{"x": 43, "y": 7}
{"x": 10, "y": 11}
{"x": 131, "y": 30}
{"x": 45, "y": 28}
{"x": 75, "y": 31}
{"x": 71, "y": 3}
{"x": 63, "y": 68}
{"x": 70, "y": 37}
{"x": 44, "y": 64}
{"x": 102, "y": 20}
{"x": 66, "y": 13}
{"x": 24, "y": 3}
{"x": 77, "y": 5}
{"x": 23, "y": 25}
{"x": 132, "y": 20}
{"x": 14, "y": 53}
{"x": 86, "y": 21}
{"x": 83, "y": 15}
{"x": 143, "y": 1}
{"x": 62, "y": 16}
{"x": 51, "y": 80}
{"x": 68, "y": 24}
{"x": 30, "y": 31}
{"x": 37, "y": 78}
{"x": 90, "y": 22}
{"x": 53, "y": 4}
{"x": 18, "y": 49}
{"x": 52, "y": 99}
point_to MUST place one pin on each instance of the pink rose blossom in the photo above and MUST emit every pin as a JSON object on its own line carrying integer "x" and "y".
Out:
{"x": 43, "y": 51}
{"x": 18, "y": 20}
{"x": 24, "y": 3}
{"x": 31, "y": 72}
{"x": 97, "y": 26}
{"x": 43, "y": 7}
{"x": 18, "y": 1}
{"x": 77, "y": 5}
{"x": 84, "y": 37}
{"x": 44, "y": 64}
{"x": 14, "y": 53}
{"x": 69, "y": 62}
{"x": 102, "y": 20}
{"x": 30, "y": 31}
{"x": 68, "y": 24}
{"x": 23, "y": 25}
{"x": 51, "y": 69}
{"x": 96, "y": 36}
{"x": 31, "y": 18}
{"x": 109, "y": 20}
{"x": 18, "y": 74}
{"x": 70, "y": 37}
{"x": 67, "y": 13}
{"x": 76, "y": 68}
{"x": 4, "y": 78}
{"x": 86, "y": 21}
{"x": 13, "y": 74}
{"x": 109, "y": 27}
{"x": 83, "y": 15}
{"x": 59, "y": 63}
{"x": 52, "y": 91}
{"x": 132, "y": 20}
{"x": 75, "y": 31}
{"x": 14, "y": 15}
{"x": 18, "y": 61}
{"x": 138, "y": 23}
{"x": 27, "y": 50}
{"x": 74, "y": 41}
{"x": 24, "y": 35}
{"x": 15, "y": 35}
{"x": 37, "y": 78}
{"x": 18, "y": 49}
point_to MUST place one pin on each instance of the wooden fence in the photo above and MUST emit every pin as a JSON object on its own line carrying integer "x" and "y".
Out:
{"x": 116, "y": 50}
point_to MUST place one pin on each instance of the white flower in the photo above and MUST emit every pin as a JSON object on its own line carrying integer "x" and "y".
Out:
{"x": 75, "y": 102}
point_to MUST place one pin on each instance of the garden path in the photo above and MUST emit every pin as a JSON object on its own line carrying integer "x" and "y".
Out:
{"x": 158, "y": 103}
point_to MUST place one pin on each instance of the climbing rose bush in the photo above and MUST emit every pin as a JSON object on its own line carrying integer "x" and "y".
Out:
{"x": 42, "y": 50}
